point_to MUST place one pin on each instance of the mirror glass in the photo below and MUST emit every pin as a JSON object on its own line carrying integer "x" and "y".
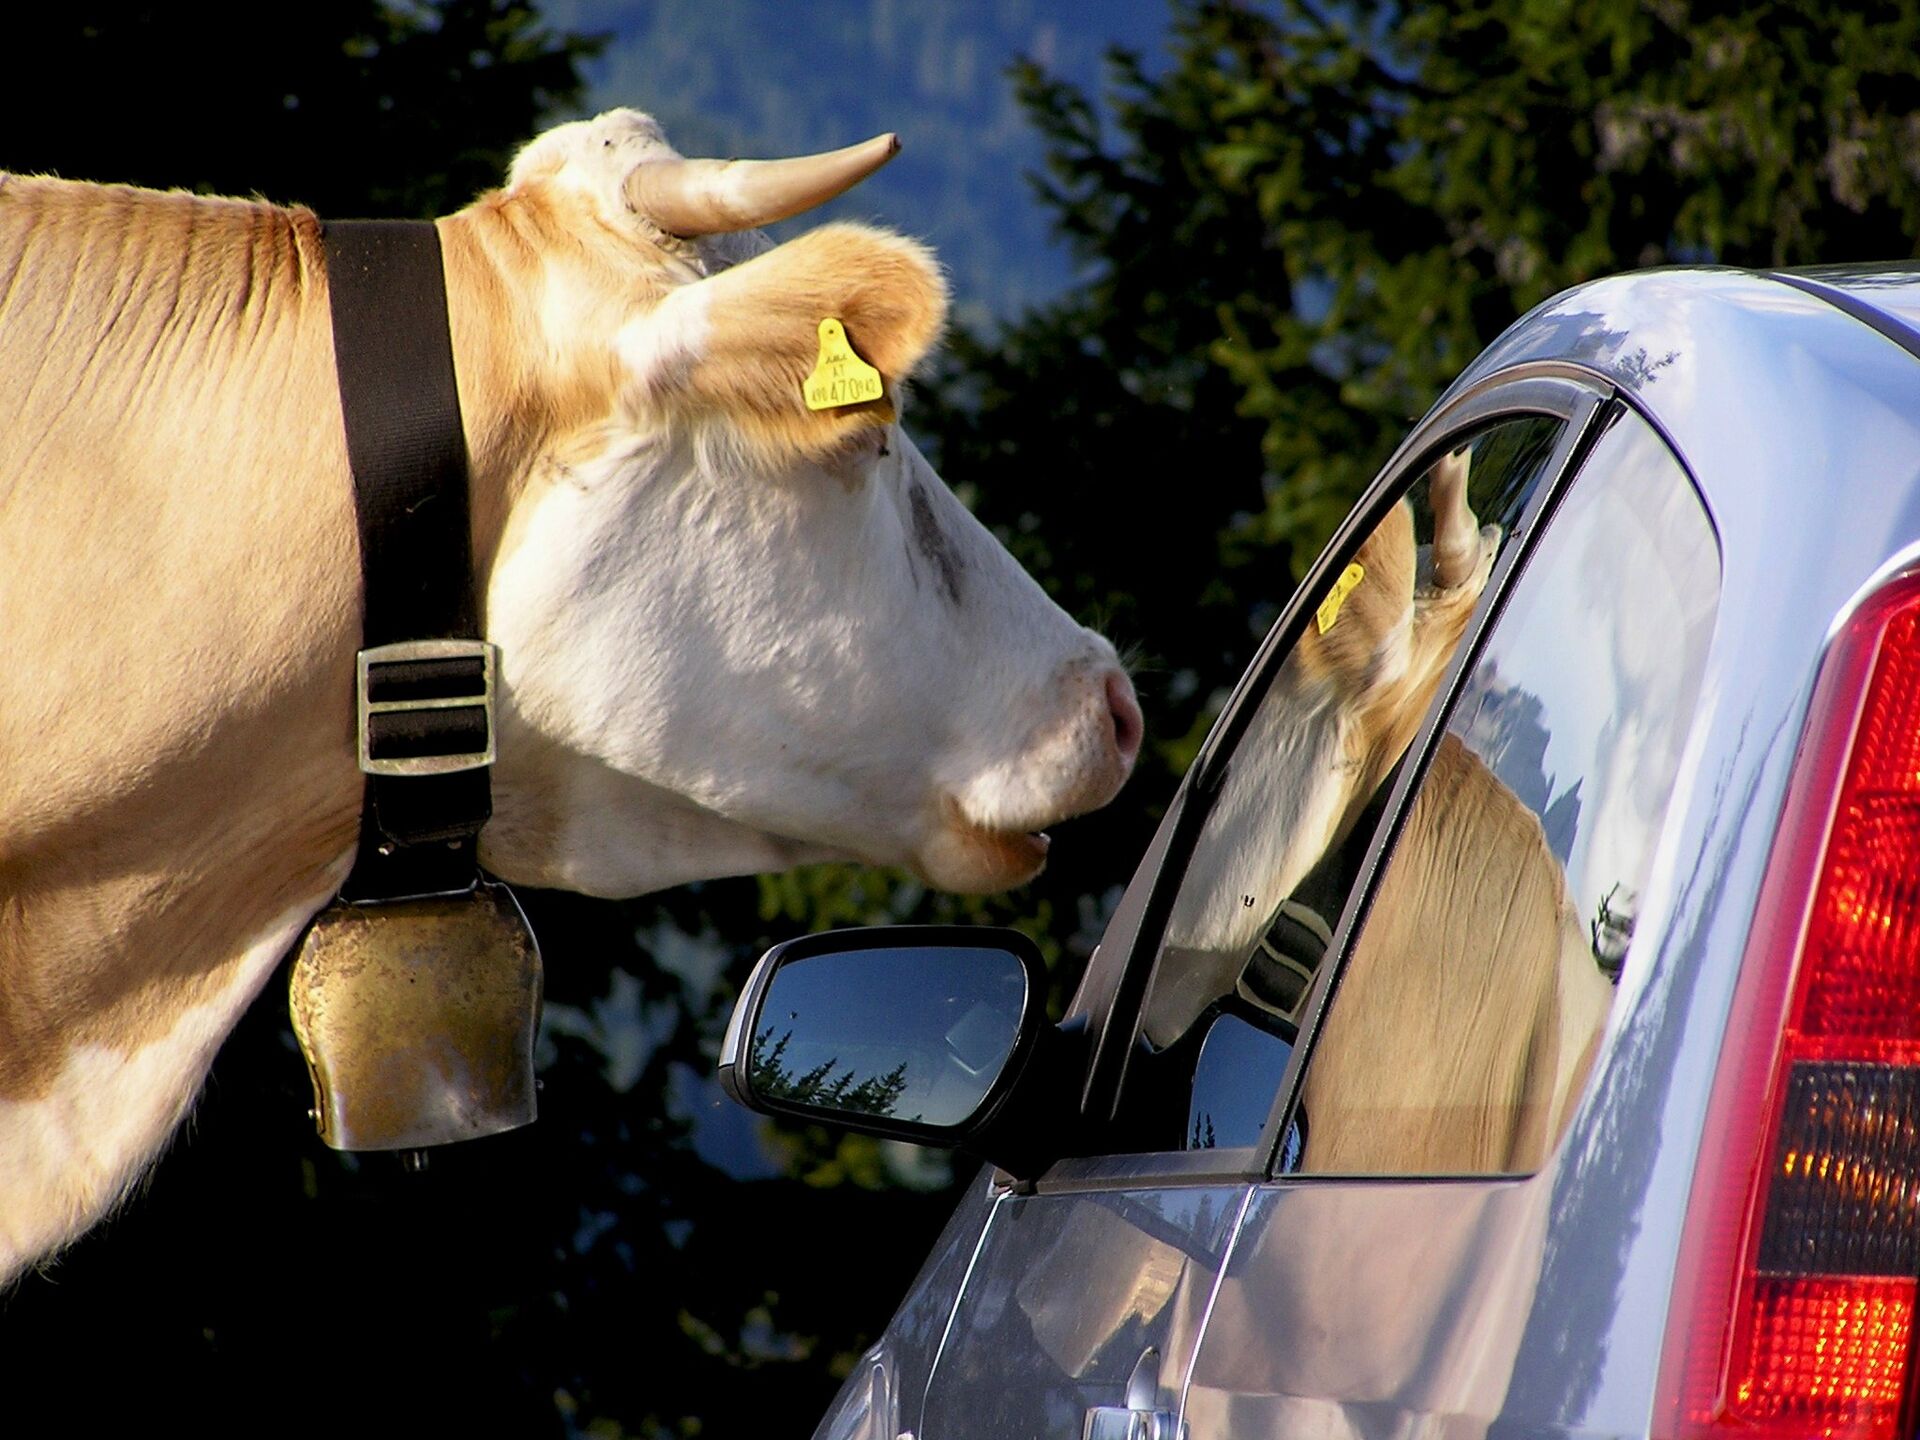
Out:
{"x": 917, "y": 1034}
{"x": 1234, "y": 1082}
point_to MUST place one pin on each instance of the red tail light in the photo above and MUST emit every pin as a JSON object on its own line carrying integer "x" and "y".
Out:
{"x": 1793, "y": 1309}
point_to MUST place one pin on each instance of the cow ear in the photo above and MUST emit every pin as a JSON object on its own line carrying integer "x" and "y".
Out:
{"x": 738, "y": 347}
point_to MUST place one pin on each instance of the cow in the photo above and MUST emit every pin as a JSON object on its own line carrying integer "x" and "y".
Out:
{"x": 1342, "y": 709}
{"x": 735, "y": 633}
{"x": 1472, "y": 970}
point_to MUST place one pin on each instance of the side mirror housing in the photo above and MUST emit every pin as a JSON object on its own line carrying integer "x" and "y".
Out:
{"x": 910, "y": 1032}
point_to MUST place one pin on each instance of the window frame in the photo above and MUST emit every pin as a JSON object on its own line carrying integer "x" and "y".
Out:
{"x": 1586, "y": 404}
{"x": 1613, "y": 408}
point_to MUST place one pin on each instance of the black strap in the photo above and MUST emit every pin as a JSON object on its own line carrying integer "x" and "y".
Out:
{"x": 394, "y": 356}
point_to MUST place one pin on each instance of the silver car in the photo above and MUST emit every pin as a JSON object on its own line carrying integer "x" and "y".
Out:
{"x": 1514, "y": 1027}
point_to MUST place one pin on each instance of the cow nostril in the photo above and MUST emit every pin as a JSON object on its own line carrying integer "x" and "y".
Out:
{"x": 1128, "y": 727}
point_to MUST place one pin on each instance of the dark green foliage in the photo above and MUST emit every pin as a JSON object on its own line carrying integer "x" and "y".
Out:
{"x": 354, "y": 107}
{"x": 1300, "y": 229}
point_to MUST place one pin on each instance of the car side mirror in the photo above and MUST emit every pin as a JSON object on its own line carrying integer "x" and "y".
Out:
{"x": 909, "y": 1032}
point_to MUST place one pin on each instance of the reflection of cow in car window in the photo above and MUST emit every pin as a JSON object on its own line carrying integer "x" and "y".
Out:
{"x": 1342, "y": 710}
{"x": 1475, "y": 971}
{"x": 1471, "y": 1006}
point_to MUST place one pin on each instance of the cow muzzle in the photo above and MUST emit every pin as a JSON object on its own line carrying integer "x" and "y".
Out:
{"x": 990, "y": 834}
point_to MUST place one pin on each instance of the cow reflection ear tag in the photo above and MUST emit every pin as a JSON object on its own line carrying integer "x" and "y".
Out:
{"x": 1329, "y": 610}
{"x": 839, "y": 376}
{"x": 417, "y": 1019}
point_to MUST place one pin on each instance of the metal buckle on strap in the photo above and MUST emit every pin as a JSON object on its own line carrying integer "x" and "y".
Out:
{"x": 426, "y": 707}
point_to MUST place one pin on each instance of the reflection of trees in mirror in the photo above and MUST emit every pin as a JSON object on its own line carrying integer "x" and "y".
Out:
{"x": 820, "y": 1087}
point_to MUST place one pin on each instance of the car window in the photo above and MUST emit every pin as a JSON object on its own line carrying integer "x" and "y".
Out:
{"x": 1462, "y": 1028}
{"x": 1269, "y": 873}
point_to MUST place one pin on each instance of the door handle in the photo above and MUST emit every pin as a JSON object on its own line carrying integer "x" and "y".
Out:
{"x": 1140, "y": 1418}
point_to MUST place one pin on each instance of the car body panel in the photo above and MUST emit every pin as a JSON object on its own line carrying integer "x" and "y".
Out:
{"x": 1359, "y": 1307}
{"x": 1783, "y": 405}
{"x": 1541, "y": 1303}
{"x": 893, "y": 1375}
{"x": 1884, "y": 296}
{"x": 1071, "y": 1290}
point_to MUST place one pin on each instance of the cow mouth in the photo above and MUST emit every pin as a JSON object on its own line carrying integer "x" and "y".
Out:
{"x": 967, "y": 856}
{"x": 1016, "y": 855}
{"x": 1031, "y": 845}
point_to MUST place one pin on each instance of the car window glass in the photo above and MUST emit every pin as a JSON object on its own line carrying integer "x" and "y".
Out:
{"x": 1272, "y": 865}
{"x": 1469, "y": 1013}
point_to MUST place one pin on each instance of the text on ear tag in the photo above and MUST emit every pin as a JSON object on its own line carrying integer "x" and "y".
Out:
{"x": 1348, "y": 582}
{"x": 839, "y": 376}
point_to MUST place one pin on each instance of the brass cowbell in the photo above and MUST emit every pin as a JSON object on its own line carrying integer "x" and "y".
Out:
{"x": 417, "y": 1019}
{"x": 416, "y": 1015}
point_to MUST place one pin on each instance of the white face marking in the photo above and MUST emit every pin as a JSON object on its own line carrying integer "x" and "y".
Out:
{"x": 762, "y": 653}
{"x": 594, "y": 156}
{"x": 715, "y": 661}
{"x": 659, "y": 347}
{"x": 1274, "y": 821}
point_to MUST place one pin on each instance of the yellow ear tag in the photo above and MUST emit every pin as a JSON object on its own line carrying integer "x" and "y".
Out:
{"x": 1348, "y": 582}
{"x": 839, "y": 376}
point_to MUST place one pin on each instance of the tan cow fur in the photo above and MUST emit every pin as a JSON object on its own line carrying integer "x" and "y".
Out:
{"x": 1464, "y": 1024}
{"x": 174, "y": 782}
{"x": 179, "y": 598}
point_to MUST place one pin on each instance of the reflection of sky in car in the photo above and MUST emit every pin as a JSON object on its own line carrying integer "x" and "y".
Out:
{"x": 948, "y": 1015}
{"x": 1580, "y": 701}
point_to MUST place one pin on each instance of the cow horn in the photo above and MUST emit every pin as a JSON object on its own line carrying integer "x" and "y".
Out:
{"x": 1456, "y": 533}
{"x": 707, "y": 197}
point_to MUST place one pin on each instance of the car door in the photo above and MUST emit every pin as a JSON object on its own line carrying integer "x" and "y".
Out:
{"x": 1091, "y": 1286}
{"x": 1405, "y": 1249}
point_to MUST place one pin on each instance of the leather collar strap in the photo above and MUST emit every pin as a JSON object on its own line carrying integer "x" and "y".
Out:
{"x": 425, "y": 680}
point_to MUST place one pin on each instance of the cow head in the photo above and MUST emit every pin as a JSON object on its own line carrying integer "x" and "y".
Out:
{"x": 1344, "y": 706}
{"x": 738, "y": 633}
